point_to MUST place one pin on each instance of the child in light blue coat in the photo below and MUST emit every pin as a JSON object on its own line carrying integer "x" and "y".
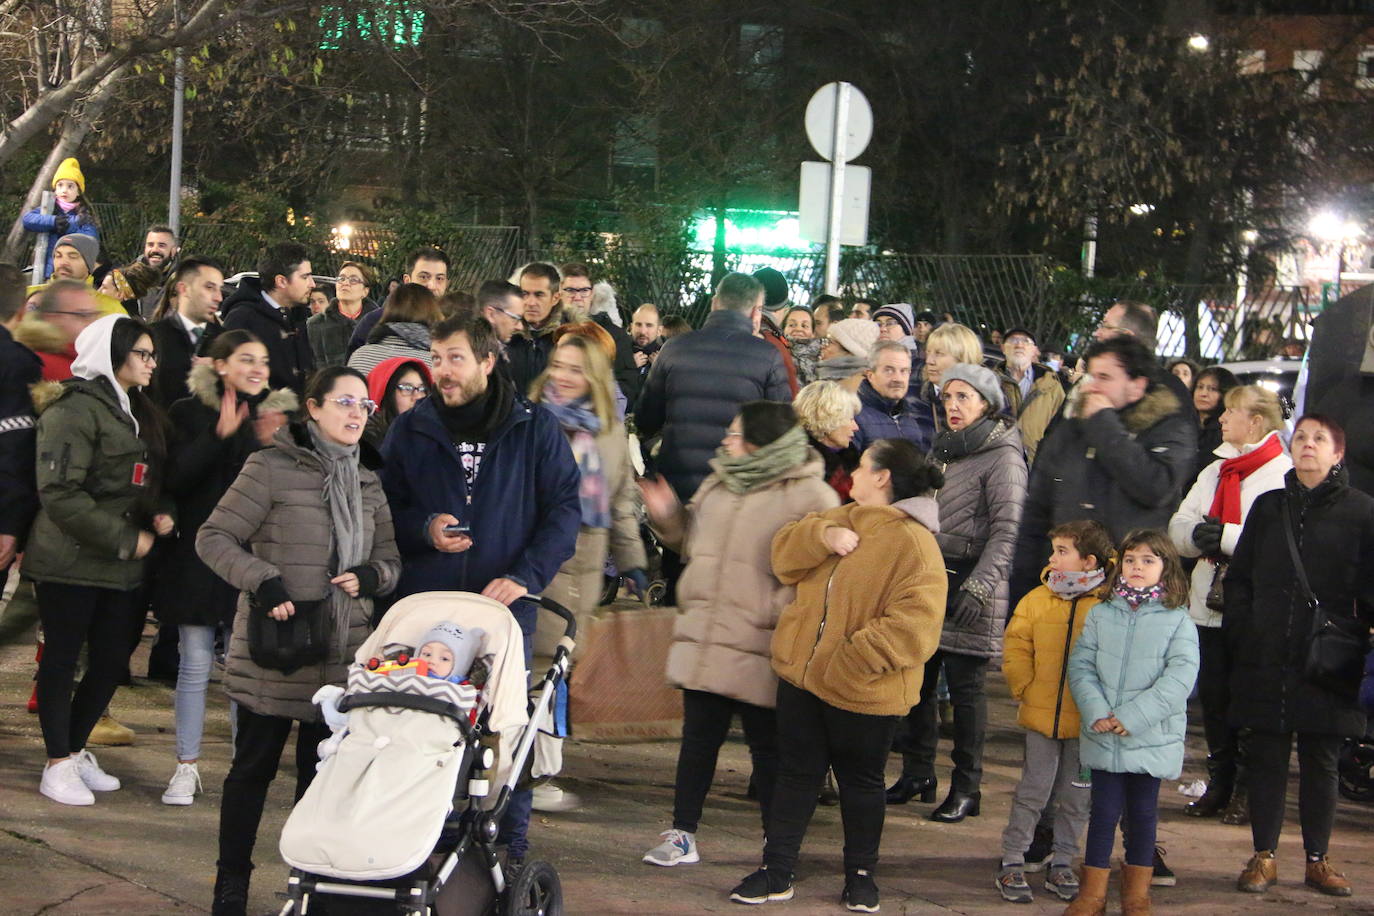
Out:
{"x": 1130, "y": 675}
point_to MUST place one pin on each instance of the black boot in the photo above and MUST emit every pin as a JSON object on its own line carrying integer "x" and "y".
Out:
{"x": 231, "y": 894}
{"x": 957, "y": 806}
{"x": 1237, "y": 813}
{"x": 908, "y": 787}
{"x": 1221, "y": 781}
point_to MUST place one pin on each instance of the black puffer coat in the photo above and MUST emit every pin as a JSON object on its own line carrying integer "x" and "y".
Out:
{"x": 200, "y": 468}
{"x": 281, "y": 332}
{"x": 1123, "y": 468}
{"x": 696, "y": 387}
{"x": 1267, "y": 622}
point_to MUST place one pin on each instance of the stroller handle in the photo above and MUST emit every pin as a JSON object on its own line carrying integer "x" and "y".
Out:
{"x": 569, "y": 621}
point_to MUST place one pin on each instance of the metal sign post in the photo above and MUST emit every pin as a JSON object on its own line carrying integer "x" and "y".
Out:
{"x": 839, "y": 124}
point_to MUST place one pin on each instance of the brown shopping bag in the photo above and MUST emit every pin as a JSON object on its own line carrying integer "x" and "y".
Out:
{"x": 618, "y": 691}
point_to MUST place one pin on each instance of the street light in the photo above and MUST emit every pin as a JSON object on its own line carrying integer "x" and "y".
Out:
{"x": 1199, "y": 43}
{"x": 1330, "y": 227}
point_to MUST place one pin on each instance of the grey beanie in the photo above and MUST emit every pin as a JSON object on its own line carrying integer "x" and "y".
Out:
{"x": 87, "y": 247}
{"x": 980, "y": 379}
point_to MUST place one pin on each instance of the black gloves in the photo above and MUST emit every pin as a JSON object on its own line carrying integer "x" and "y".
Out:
{"x": 60, "y": 224}
{"x": 1207, "y": 536}
{"x": 966, "y": 610}
{"x": 368, "y": 580}
{"x": 271, "y": 593}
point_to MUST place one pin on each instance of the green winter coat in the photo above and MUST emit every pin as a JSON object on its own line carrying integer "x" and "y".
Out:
{"x": 95, "y": 487}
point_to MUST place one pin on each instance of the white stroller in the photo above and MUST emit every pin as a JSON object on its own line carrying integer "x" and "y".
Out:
{"x": 401, "y": 817}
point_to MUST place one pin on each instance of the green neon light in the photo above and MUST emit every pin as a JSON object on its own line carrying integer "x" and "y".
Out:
{"x": 392, "y": 21}
{"x": 751, "y": 231}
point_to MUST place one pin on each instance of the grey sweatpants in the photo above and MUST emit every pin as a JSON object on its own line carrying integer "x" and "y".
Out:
{"x": 1051, "y": 767}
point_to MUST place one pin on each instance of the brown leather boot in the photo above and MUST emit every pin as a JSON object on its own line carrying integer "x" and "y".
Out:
{"x": 1135, "y": 889}
{"x": 1261, "y": 873}
{"x": 1092, "y": 892}
{"x": 1326, "y": 879}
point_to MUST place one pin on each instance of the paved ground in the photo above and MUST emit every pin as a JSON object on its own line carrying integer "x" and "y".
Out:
{"x": 131, "y": 855}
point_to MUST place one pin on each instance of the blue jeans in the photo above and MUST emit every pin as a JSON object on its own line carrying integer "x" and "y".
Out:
{"x": 193, "y": 677}
{"x": 1134, "y": 795}
{"x": 516, "y": 821}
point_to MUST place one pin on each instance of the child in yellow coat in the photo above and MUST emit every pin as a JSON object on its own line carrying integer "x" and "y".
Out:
{"x": 1035, "y": 659}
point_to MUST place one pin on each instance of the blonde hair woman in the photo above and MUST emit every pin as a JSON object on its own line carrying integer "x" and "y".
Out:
{"x": 947, "y": 345}
{"x": 1250, "y": 460}
{"x": 826, "y": 411}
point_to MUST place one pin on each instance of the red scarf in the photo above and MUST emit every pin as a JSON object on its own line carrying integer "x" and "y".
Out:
{"x": 1226, "y": 502}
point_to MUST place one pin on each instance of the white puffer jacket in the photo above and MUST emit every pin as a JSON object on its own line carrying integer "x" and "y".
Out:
{"x": 1195, "y": 506}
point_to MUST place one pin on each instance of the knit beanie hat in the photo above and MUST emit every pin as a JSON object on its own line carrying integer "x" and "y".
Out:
{"x": 88, "y": 247}
{"x": 464, "y": 643}
{"x": 899, "y": 312}
{"x": 856, "y": 335}
{"x": 70, "y": 170}
{"x": 928, "y": 317}
{"x": 980, "y": 379}
{"x": 774, "y": 287}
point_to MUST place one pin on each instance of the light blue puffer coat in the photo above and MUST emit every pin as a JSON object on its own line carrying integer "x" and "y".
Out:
{"x": 1139, "y": 666}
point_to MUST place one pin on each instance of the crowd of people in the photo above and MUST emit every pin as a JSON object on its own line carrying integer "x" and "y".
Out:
{"x": 858, "y": 509}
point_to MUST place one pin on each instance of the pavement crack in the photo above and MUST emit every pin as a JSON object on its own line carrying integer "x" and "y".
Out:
{"x": 88, "y": 863}
{"x": 68, "y": 899}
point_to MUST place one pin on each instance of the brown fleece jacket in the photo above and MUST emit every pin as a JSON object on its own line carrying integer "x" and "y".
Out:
{"x": 862, "y": 627}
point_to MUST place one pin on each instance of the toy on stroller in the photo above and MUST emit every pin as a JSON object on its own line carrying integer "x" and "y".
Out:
{"x": 402, "y": 817}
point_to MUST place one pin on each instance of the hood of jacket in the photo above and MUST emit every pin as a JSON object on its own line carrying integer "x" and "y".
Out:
{"x": 41, "y": 337}
{"x": 922, "y": 508}
{"x": 93, "y": 359}
{"x": 412, "y": 333}
{"x": 204, "y": 385}
{"x": 45, "y": 394}
{"x": 1157, "y": 404}
{"x": 379, "y": 379}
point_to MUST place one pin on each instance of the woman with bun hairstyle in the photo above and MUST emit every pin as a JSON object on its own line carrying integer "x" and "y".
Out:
{"x": 230, "y": 414}
{"x": 850, "y": 653}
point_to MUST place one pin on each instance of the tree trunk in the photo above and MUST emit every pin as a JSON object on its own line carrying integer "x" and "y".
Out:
{"x": 73, "y": 134}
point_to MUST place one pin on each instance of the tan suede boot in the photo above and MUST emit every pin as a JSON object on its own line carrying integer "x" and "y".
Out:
{"x": 1135, "y": 889}
{"x": 1092, "y": 892}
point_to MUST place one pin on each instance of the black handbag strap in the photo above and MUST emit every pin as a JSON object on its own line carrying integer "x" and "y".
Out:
{"x": 1298, "y": 569}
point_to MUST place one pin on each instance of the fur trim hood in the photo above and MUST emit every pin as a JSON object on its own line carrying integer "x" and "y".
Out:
{"x": 45, "y": 394}
{"x": 41, "y": 337}
{"x": 1159, "y": 402}
{"x": 204, "y": 386}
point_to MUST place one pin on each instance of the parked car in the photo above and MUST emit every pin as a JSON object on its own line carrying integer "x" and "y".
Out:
{"x": 1278, "y": 375}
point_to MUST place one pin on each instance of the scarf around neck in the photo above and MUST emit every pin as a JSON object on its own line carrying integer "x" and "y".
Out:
{"x": 840, "y": 367}
{"x": 953, "y": 444}
{"x": 1226, "y": 502}
{"x": 1135, "y": 597}
{"x": 343, "y": 494}
{"x": 1068, "y": 584}
{"x": 581, "y": 425}
{"x": 764, "y": 465}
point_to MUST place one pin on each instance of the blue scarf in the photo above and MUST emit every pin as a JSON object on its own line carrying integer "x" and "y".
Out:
{"x": 581, "y": 424}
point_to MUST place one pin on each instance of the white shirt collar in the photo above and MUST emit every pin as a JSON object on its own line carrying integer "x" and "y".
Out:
{"x": 273, "y": 302}
{"x": 188, "y": 324}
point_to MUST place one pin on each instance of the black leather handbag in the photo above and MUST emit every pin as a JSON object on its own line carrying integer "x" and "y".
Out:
{"x": 1216, "y": 595}
{"x": 1337, "y": 645}
{"x": 286, "y": 645}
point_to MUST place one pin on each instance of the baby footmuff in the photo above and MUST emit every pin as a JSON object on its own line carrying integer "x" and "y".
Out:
{"x": 403, "y": 814}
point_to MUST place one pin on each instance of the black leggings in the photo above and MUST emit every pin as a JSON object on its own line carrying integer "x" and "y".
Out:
{"x": 1266, "y": 757}
{"x": 258, "y": 745}
{"x": 75, "y": 616}
{"x": 814, "y": 736}
{"x": 706, "y": 719}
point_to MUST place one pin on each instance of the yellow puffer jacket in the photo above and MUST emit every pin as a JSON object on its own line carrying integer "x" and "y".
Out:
{"x": 1035, "y": 656}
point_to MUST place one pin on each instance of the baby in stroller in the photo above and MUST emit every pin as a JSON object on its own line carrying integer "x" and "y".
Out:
{"x": 433, "y": 732}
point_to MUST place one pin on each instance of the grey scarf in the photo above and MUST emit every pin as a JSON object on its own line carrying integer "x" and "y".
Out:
{"x": 343, "y": 493}
{"x": 840, "y": 367}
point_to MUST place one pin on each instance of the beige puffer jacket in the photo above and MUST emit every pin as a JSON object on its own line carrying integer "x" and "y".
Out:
{"x": 276, "y": 507}
{"x": 728, "y": 597}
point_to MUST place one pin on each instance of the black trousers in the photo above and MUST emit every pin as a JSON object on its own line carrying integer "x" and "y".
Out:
{"x": 1267, "y": 755}
{"x": 1214, "y": 693}
{"x": 258, "y": 745}
{"x": 706, "y": 719}
{"x": 75, "y": 616}
{"x": 814, "y": 736}
{"x": 966, "y": 676}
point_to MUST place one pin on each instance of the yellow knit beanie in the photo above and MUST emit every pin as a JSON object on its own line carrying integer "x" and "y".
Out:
{"x": 70, "y": 170}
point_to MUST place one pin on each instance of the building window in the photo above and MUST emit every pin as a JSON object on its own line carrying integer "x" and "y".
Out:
{"x": 760, "y": 53}
{"x": 1306, "y": 63}
{"x": 1364, "y": 68}
{"x": 1250, "y": 63}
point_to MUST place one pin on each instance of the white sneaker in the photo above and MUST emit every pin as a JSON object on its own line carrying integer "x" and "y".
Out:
{"x": 552, "y": 798}
{"x": 184, "y": 785}
{"x": 678, "y": 848}
{"x": 62, "y": 783}
{"x": 96, "y": 779}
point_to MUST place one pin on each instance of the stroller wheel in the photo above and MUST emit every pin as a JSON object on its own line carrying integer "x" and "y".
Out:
{"x": 534, "y": 891}
{"x": 657, "y": 590}
{"x": 1355, "y": 769}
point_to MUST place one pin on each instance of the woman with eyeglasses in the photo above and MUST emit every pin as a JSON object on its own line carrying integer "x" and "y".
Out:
{"x": 303, "y": 529}
{"x": 100, "y": 461}
{"x": 230, "y": 414}
{"x": 396, "y": 385}
{"x": 331, "y": 328}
